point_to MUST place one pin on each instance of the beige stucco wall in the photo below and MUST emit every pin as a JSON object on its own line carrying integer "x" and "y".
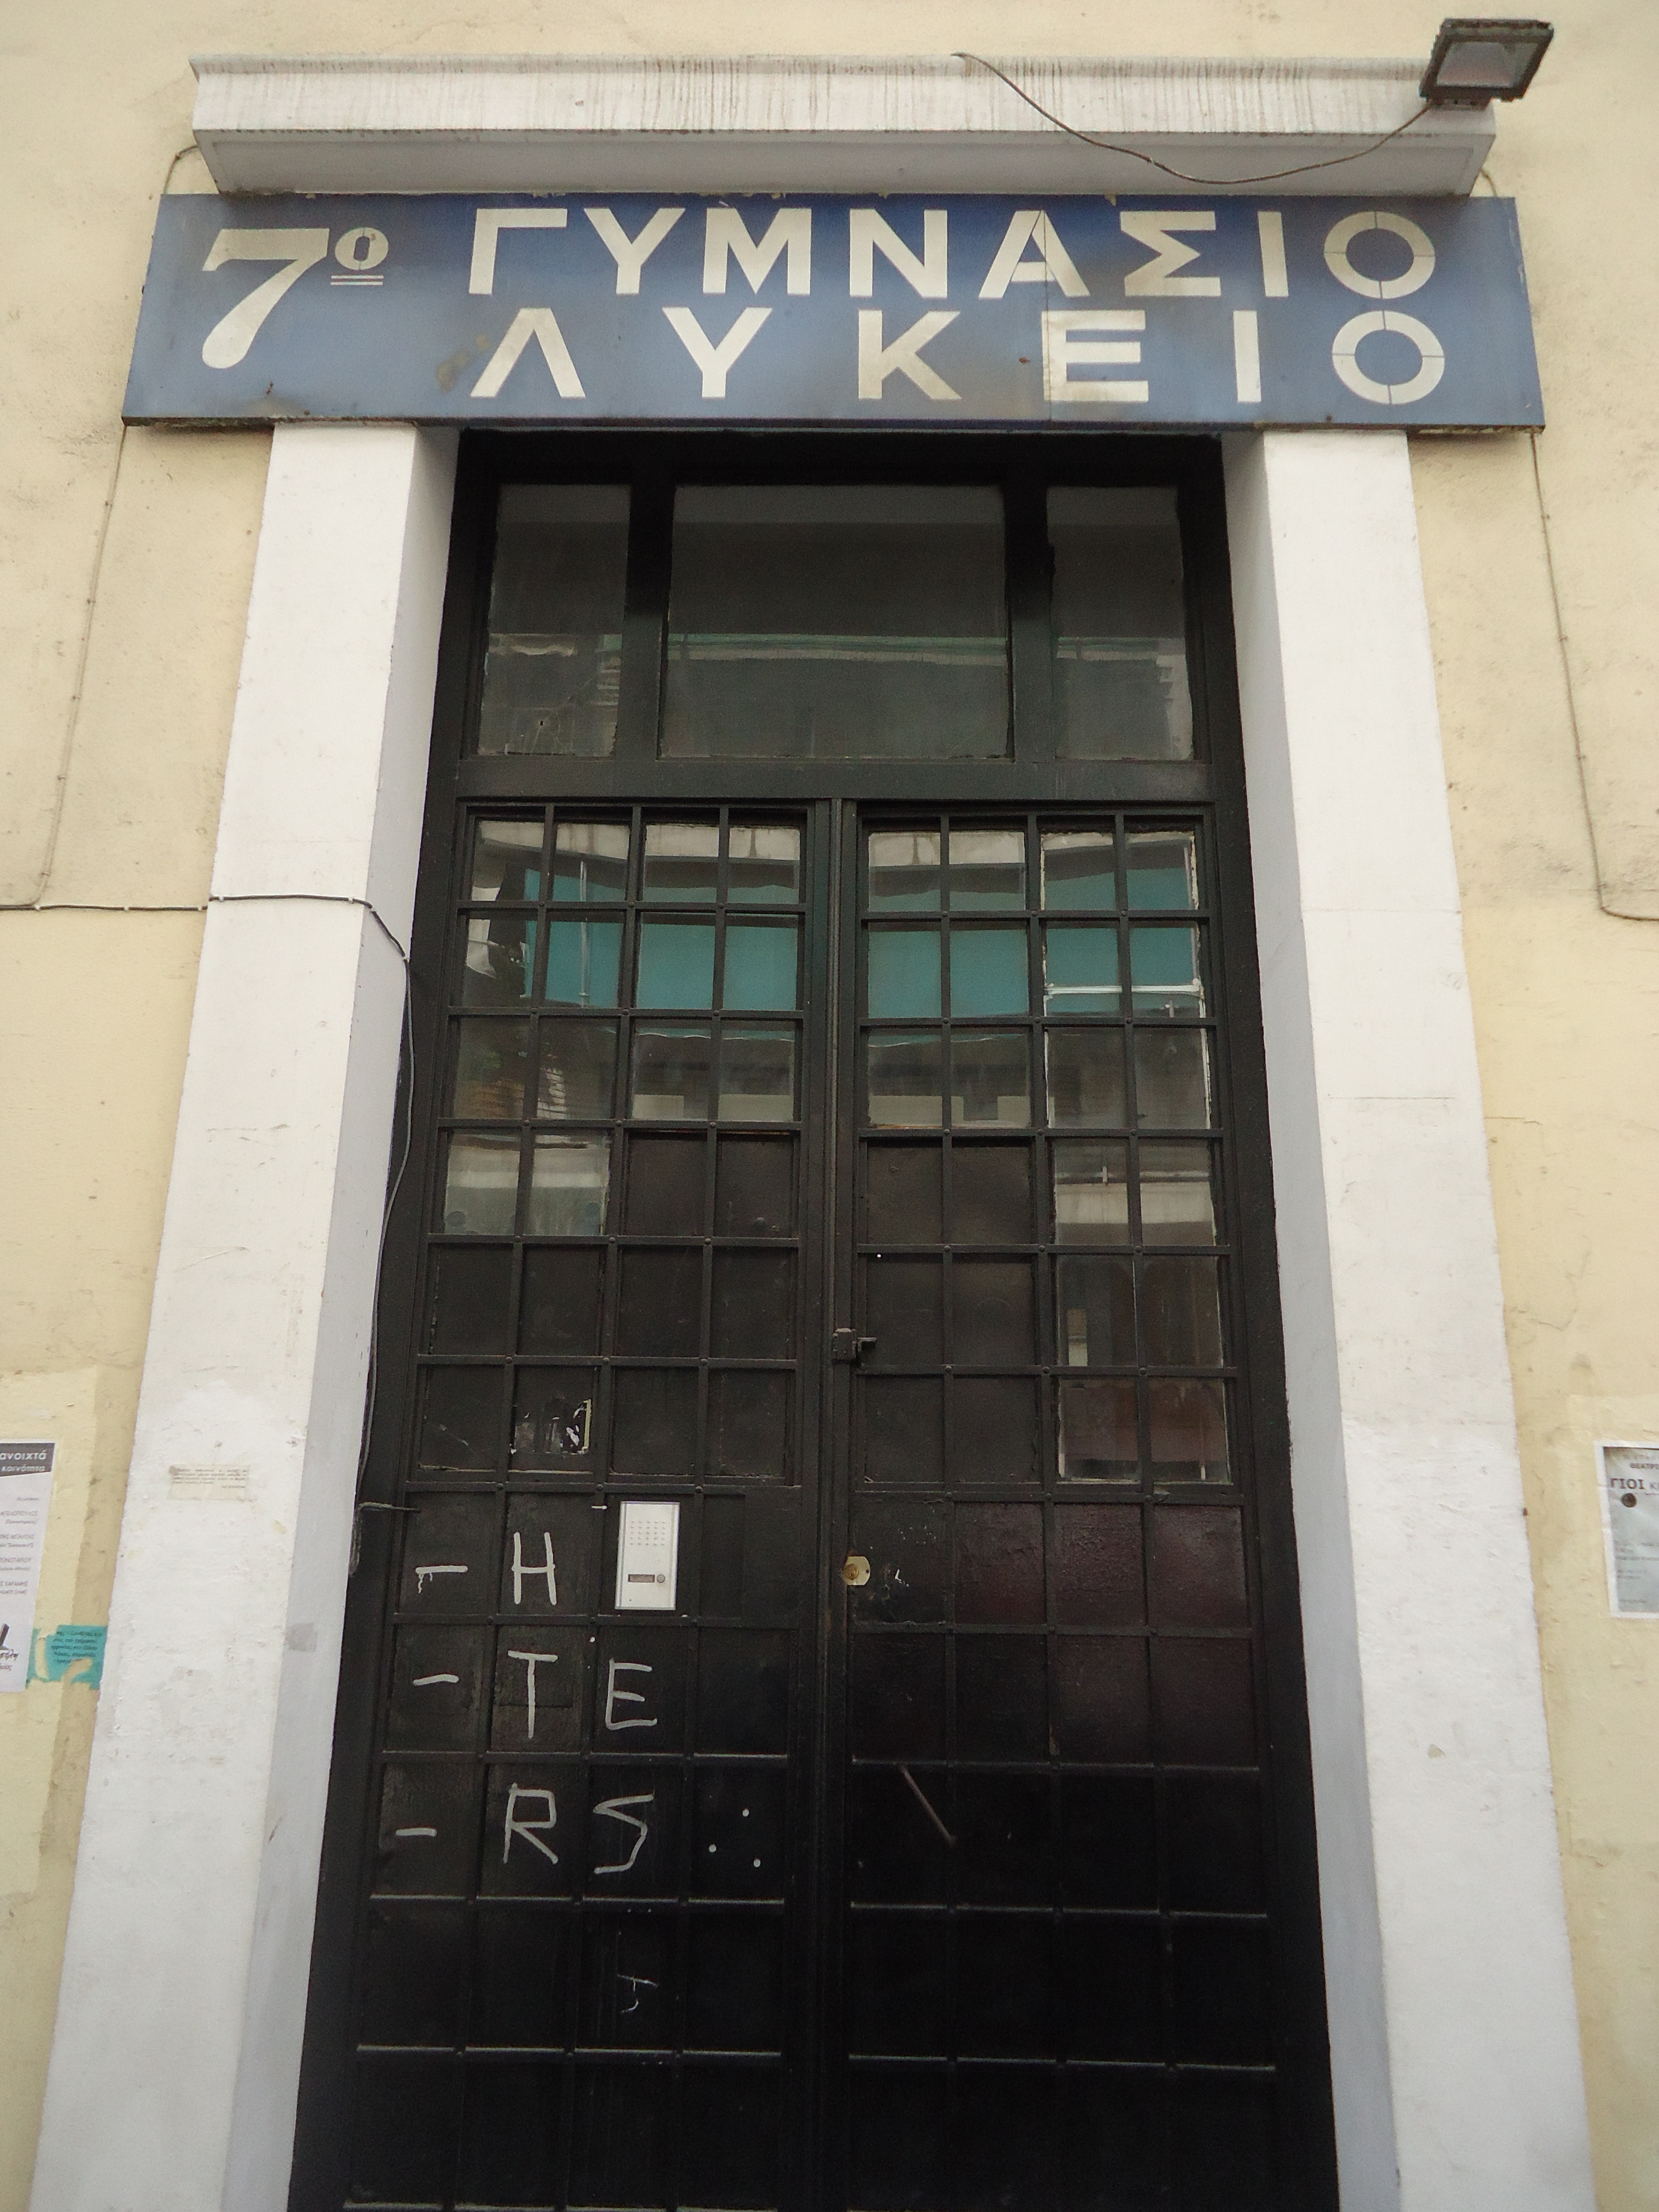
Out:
{"x": 1566, "y": 1002}
{"x": 124, "y": 578}
{"x": 1546, "y": 699}
{"x": 94, "y": 1017}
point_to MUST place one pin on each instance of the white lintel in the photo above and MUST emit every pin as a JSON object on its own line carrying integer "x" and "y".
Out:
{"x": 732, "y": 123}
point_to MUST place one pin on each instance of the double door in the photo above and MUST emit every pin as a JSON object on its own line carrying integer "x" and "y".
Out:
{"x": 816, "y": 1682}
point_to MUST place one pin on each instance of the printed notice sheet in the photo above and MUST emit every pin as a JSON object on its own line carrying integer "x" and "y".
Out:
{"x": 1630, "y": 1523}
{"x": 25, "y": 1495}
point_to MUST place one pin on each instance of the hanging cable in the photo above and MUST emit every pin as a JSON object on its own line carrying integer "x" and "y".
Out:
{"x": 1185, "y": 176}
{"x": 1613, "y": 912}
{"x": 73, "y": 720}
{"x": 406, "y": 1085}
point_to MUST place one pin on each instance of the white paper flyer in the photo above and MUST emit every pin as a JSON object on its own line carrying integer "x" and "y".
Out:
{"x": 1630, "y": 1526}
{"x": 25, "y": 1495}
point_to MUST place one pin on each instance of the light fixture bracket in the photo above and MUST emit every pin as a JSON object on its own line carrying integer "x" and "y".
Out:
{"x": 1480, "y": 59}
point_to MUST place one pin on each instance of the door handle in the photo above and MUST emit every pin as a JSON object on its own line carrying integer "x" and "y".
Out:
{"x": 847, "y": 1347}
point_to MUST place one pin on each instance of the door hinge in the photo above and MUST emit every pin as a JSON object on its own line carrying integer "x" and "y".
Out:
{"x": 847, "y": 1347}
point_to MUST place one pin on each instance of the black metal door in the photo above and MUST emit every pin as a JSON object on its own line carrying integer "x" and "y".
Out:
{"x": 1058, "y": 1956}
{"x": 821, "y": 1723}
{"x": 591, "y": 1872}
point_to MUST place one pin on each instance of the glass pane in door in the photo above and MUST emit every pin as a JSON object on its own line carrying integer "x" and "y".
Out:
{"x": 838, "y": 622}
{"x": 553, "y": 664}
{"x": 1120, "y": 625}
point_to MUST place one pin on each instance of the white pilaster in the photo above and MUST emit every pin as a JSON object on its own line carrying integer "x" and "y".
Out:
{"x": 1453, "y": 2025}
{"x": 176, "y": 2057}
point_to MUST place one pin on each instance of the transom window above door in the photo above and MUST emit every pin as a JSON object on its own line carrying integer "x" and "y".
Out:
{"x": 879, "y": 622}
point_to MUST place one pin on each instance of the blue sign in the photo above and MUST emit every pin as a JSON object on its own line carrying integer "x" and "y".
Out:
{"x": 1120, "y": 314}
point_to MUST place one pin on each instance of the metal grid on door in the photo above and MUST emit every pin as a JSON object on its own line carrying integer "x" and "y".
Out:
{"x": 867, "y": 1159}
{"x": 1057, "y": 1948}
{"x": 576, "y": 1963}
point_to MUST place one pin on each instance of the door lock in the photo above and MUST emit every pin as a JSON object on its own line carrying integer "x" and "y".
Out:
{"x": 847, "y": 1347}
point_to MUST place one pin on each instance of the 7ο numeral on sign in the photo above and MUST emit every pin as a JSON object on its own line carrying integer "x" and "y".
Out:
{"x": 228, "y": 342}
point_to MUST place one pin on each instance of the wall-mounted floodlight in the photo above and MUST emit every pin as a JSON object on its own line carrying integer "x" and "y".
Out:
{"x": 1477, "y": 58}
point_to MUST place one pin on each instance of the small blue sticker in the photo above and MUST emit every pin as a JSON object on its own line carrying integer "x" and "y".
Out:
{"x": 73, "y": 1653}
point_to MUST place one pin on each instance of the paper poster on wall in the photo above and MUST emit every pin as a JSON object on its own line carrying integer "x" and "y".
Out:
{"x": 72, "y": 1652}
{"x": 25, "y": 1495}
{"x": 1630, "y": 1526}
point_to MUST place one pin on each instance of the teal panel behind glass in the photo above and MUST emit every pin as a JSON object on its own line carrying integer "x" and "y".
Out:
{"x": 760, "y": 966}
{"x": 1163, "y": 869}
{"x": 584, "y": 961}
{"x": 988, "y": 972}
{"x": 904, "y": 974}
{"x": 1079, "y": 969}
{"x": 1163, "y": 970}
{"x": 676, "y": 964}
{"x": 1158, "y": 887}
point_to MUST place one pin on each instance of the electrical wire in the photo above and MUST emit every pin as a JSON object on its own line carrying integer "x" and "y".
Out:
{"x": 406, "y": 1085}
{"x": 60, "y": 794}
{"x": 1613, "y": 912}
{"x": 221, "y": 898}
{"x": 1185, "y": 176}
{"x": 73, "y": 720}
{"x": 406, "y": 1088}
